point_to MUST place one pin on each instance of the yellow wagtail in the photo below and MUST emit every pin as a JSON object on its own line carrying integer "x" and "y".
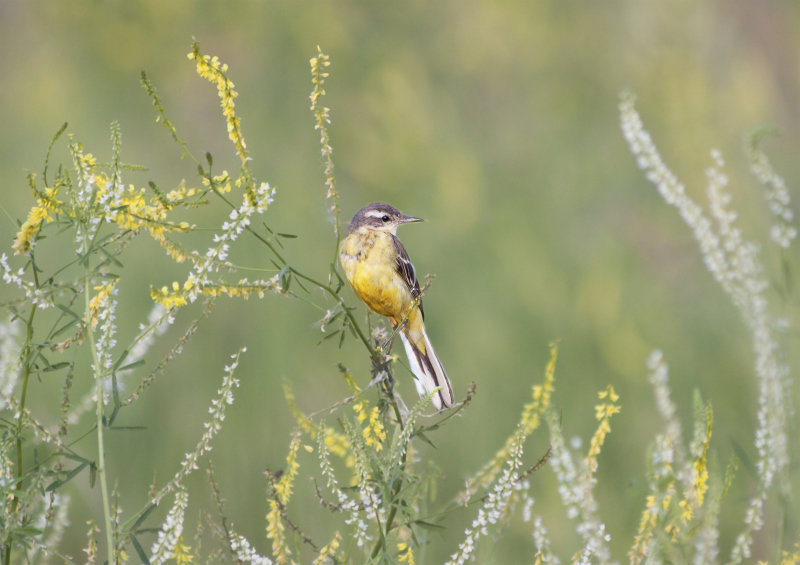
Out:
{"x": 378, "y": 268}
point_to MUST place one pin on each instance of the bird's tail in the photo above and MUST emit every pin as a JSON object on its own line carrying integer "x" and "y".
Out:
{"x": 428, "y": 370}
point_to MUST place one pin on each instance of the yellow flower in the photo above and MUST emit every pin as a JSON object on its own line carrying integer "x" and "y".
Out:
{"x": 104, "y": 291}
{"x": 276, "y": 533}
{"x": 374, "y": 434}
{"x": 337, "y": 443}
{"x": 46, "y": 206}
{"x": 700, "y": 464}
{"x": 283, "y": 490}
{"x": 182, "y": 552}
{"x": 329, "y": 551}
{"x": 603, "y": 413}
{"x": 167, "y": 299}
{"x": 213, "y": 71}
{"x": 404, "y": 553}
{"x": 222, "y": 182}
{"x": 529, "y": 420}
{"x": 181, "y": 193}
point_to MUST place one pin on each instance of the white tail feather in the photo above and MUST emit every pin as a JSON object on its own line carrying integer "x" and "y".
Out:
{"x": 430, "y": 375}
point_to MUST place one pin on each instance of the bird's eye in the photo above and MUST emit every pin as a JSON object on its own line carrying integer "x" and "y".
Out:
{"x": 385, "y": 218}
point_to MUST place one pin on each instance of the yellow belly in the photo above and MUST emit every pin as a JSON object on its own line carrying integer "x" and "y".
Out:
{"x": 368, "y": 261}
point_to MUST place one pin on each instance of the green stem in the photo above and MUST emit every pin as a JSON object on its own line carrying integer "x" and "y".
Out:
{"x": 374, "y": 353}
{"x": 26, "y": 373}
{"x": 101, "y": 458}
{"x": 398, "y": 483}
{"x": 27, "y": 362}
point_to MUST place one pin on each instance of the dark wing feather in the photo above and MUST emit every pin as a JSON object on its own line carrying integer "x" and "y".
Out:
{"x": 406, "y": 270}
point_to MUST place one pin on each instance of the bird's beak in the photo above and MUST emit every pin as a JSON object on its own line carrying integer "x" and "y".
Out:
{"x": 409, "y": 219}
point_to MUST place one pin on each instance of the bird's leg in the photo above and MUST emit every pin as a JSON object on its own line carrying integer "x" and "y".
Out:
{"x": 387, "y": 345}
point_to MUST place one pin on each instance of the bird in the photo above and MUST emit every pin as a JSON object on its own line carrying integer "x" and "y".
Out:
{"x": 378, "y": 269}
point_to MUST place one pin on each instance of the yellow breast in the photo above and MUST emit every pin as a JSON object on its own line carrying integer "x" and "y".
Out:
{"x": 368, "y": 260}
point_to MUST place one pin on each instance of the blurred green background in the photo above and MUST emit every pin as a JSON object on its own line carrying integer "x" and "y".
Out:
{"x": 496, "y": 122}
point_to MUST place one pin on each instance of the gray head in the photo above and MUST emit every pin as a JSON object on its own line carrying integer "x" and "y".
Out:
{"x": 380, "y": 216}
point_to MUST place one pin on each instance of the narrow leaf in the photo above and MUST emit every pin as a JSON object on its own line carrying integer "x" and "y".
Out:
{"x": 139, "y": 549}
{"x": 67, "y": 478}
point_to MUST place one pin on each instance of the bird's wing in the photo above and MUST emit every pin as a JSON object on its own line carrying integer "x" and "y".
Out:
{"x": 406, "y": 270}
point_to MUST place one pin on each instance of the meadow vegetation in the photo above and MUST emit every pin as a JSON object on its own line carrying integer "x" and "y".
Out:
{"x": 367, "y": 457}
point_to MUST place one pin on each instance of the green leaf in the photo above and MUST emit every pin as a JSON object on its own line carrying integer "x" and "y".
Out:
{"x": 139, "y": 549}
{"x": 63, "y": 328}
{"x": 58, "y": 134}
{"x": 115, "y": 400}
{"x": 73, "y": 456}
{"x": 111, "y": 258}
{"x": 428, "y": 525}
{"x": 747, "y": 463}
{"x": 67, "y": 311}
{"x": 25, "y": 532}
{"x": 132, "y": 365}
{"x": 329, "y": 335}
{"x": 284, "y": 277}
{"x": 339, "y": 280}
{"x": 143, "y": 517}
{"x": 424, "y": 438}
{"x": 122, "y": 357}
{"x": 56, "y": 366}
{"x": 67, "y": 478}
{"x": 422, "y": 429}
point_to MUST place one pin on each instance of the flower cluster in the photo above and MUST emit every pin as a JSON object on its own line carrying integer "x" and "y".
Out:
{"x": 576, "y": 487}
{"x": 735, "y": 265}
{"x": 497, "y": 501}
{"x": 322, "y": 117}
{"x": 9, "y": 359}
{"x": 199, "y": 281}
{"x": 544, "y": 554}
{"x": 282, "y": 490}
{"x": 673, "y": 472}
{"x": 603, "y": 413}
{"x": 213, "y": 70}
{"x": 212, "y": 428}
{"x": 171, "y": 529}
{"x": 373, "y": 432}
{"x": 46, "y": 206}
{"x": 102, "y": 310}
{"x": 776, "y": 193}
{"x": 329, "y": 551}
{"x": 158, "y": 321}
{"x": 40, "y": 297}
{"x": 405, "y": 553}
{"x": 371, "y": 506}
{"x": 501, "y": 477}
{"x": 245, "y": 553}
{"x": 531, "y": 418}
{"x": 344, "y": 503}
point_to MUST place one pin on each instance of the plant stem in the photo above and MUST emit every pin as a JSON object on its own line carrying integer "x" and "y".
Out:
{"x": 101, "y": 458}
{"x": 27, "y": 361}
{"x": 398, "y": 483}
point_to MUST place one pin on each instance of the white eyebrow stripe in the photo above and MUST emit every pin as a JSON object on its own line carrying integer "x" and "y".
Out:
{"x": 375, "y": 213}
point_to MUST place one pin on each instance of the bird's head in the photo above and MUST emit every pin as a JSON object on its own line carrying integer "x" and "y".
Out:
{"x": 381, "y": 217}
